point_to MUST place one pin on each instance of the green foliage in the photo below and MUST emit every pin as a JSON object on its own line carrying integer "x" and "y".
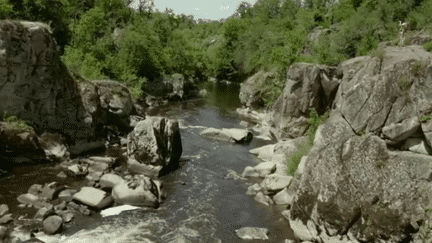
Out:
{"x": 419, "y": 68}
{"x": 378, "y": 53}
{"x": 12, "y": 122}
{"x": 425, "y": 118}
{"x": 135, "y": 88}
{"x": 295, "y": 158}
{"x": 405, "y": 84}
{"x": 89, "y": 28}
{"x": 315, "y": 120}
{"x": 5, "y": 8}
{"x": 428, "y": 46}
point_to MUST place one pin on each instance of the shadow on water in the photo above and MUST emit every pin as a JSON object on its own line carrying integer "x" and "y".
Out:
{"x": 201, "y": 206}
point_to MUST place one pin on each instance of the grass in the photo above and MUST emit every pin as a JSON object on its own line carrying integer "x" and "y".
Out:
{"x": 12, "y": 122}
{"x": 380, "y": 164}
{"x": 314, "y": 121}
{"x": 378, "y": 52}
{"x": 425, "y": 118}
{"x": 428, "y": 46}
{"x": 426, "y": 228}
{"x": 419, "y": 68}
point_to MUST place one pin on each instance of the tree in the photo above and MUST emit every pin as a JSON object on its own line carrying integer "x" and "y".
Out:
{"x": 244, "y": 10}
{"x": 89, "y": 28}
{"x": 5, "y": 8}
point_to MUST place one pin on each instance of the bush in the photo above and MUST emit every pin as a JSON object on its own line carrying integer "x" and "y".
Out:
{"x": 314, "y": 121}
{"x": 428, "y": 46}
{"x": 5, "y": 8}
{"x": 12, "y": 122}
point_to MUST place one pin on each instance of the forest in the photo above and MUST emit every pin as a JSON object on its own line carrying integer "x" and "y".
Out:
{"x": 106, "y": 39}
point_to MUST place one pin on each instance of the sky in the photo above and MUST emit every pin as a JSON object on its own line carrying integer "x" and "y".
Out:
{"x": 205, "y": 9}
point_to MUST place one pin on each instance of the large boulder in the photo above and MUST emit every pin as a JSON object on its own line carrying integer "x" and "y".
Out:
{"x": 171, "y": 87}
{"x": 255, "y": 91}
{"x": 356, "y": 185}
{"x": 116, "y": 98}
{"x": 139, "y": 191}
{"x": 391, "y": 93}
{"x": 154, "y": 146}
{"x": 19, "y": 142}
{"x": 308, "y": 86}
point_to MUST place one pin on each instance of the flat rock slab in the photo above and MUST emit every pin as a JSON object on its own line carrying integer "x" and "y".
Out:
{"x": 276, "y": 182}
{"x": 28, "y": 198}
{"x": 230, "y": 135}
{"x": 252, "y": 233}
{"x": 117, "y": 210}
{"x": 265, "y": 168}
{"x": 283, "y": 197}
{"x": 93, "y": 197}
{"x": 110, "y": 180}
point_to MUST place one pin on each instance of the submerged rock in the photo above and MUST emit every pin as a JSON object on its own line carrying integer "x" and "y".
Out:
{"x": 117, "y": 210}
{"x": 252, "y": 233}
{"x": 234, "y": 135}
{"x": 140, "y": 191}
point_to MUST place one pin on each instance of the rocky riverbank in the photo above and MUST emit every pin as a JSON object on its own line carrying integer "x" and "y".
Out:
{"x": 52, "y": 115}
{"x": 367, "y": 176}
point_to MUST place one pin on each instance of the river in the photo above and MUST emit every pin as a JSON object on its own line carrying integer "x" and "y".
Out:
{"x": 201, "y": 206}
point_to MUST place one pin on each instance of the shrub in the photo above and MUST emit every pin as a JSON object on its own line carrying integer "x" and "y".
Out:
{"x": 378, "y": 52}
{"x": 314, "y": 121}
{"x": 425, "y": 118}
{"x": 428, "y": 46}
{"x": 12, "y": 122}
{"x": 135, "y": 88}
{"x": 419, "y": 68}
{"x": 295, "y": 158}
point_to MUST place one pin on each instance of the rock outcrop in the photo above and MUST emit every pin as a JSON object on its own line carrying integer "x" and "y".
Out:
{"x": 254, "y": 91}
{"x": 308, "y": 86}
{"x": 37, "y": 88}
{"x": 360, "y": 181}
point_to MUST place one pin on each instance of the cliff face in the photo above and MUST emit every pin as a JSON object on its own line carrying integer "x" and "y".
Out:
{"x": 36, "y": 87}
{"x": 362, "y": 181}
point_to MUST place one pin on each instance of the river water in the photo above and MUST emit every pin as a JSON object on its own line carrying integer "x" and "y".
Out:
{"x": 201, "y": 206}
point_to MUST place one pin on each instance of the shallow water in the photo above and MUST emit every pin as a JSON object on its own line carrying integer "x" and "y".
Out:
{"x": 201, "y": 206}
